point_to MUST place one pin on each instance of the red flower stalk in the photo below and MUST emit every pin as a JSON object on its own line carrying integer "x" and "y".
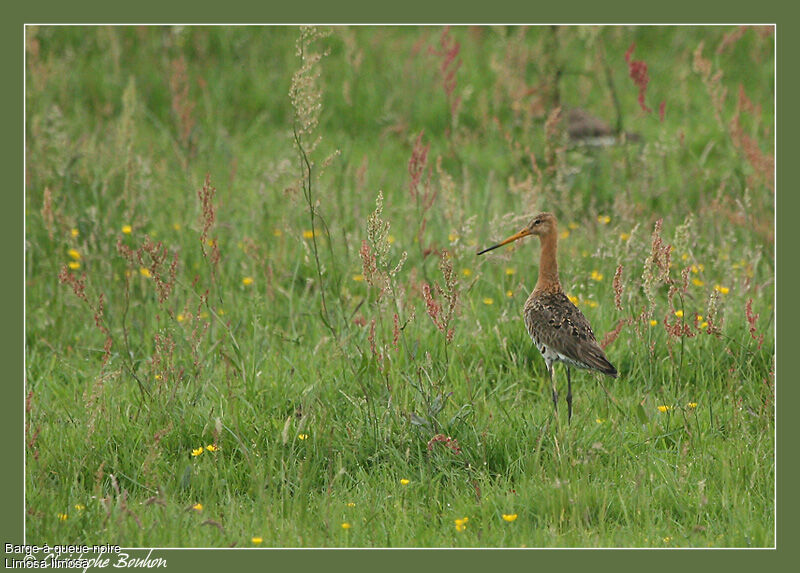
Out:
{"x": 396, "y": 331}
{"x": 612, "y": 335}
{"x": 371, "y": 339}
{"x": 450, "y": 63}
{"x": 416, "y": 169}
{"x": 637, "y": 70}
{"x": 369, "y": 266}
{"x": 447, "y": 441}
{"x": 433, "y": 308}
{"x": 751, "y": 320}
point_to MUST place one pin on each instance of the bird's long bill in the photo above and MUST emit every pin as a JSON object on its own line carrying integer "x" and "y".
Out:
{"x": 523, "y": 233}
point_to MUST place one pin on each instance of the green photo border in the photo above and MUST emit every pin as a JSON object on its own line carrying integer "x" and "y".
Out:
{"x": 413, "y": 11}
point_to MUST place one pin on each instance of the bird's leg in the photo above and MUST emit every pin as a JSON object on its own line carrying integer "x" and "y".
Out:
{"x": 569, "y": 397}
{"x": 553, "y": 385}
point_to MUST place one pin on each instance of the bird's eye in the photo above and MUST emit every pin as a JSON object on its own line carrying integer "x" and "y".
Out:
{"x": 536, "y": 222}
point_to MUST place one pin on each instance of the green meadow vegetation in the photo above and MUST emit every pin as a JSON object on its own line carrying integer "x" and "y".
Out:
{"x": 255, "y": 316}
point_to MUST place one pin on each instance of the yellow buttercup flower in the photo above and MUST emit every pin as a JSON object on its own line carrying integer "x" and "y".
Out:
{"x": 509, "y": 517}
{"x": 510, "y": 271}
{"x": 679, "y": 313}
{"x": 358, "y": 278}
{"x": 461, "y": 524}
{"x": 697, "y": 282}
{"x": 80, "y": 506}
{"x": 603, "y": 219}
{"x": 247, "y": 281}
{"x": 198, "y": 507}
{"x": 488, "y": 300}
{"x": 404, "y": 481}
{"x": 573, "y": 299}
{"x": 351, "y": 504}
{"x": 127, "y": 229}
{"x": 596, "y": 276}
{"x": 74, "y": 265}
{"x": 73, "y": 253}
{"x": 664, "y": 408}
{"x": 653, "y": 322}
{"x": 145, "y": 272}
{"x": 308, "y": 234}
{"x": 466, "y": 272}
{"x": 624, "y": 236}
{"x": 198, "y": 451}
{"x": 564, "y": 234}
{"x": 509, "y": 294}
{"x": 346, "y": 525}
{"x": 63, "y": 516}
{"x": 722, "y": 289}
{"x": 212, "y": 448}
{"x": 302, "y": 436}
{"x": 692, "y": 405}
{"x": 74, "y": 232}
{"x": 257, "y": 540}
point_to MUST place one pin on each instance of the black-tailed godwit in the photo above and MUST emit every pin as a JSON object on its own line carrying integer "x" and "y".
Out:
{"x": 558, "y": 329}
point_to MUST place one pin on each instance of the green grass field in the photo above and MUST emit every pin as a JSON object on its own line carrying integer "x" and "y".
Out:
{"x": 255, "y": 317}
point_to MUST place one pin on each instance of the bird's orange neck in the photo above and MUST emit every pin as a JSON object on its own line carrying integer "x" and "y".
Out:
{"x": 548, "y": 265}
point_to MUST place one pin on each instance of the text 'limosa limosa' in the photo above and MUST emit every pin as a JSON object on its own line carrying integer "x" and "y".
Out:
{"x": 558, "y": 329}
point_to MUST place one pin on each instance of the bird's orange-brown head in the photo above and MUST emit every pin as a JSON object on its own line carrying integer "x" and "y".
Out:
{"x": 543, "y": 224}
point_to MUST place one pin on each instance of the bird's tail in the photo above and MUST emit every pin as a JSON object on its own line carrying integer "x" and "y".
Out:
{"x": 610, "y": 370}
{"x": 597, "y": 360}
